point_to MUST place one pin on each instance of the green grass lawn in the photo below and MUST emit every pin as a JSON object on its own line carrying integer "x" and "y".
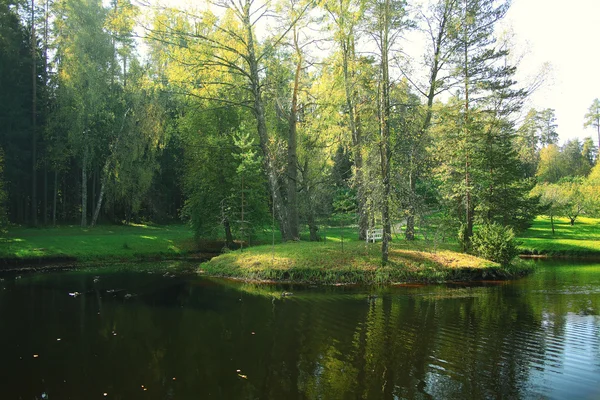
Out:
{"x": 113, "y": 241}
{"x": 583, "y": 238}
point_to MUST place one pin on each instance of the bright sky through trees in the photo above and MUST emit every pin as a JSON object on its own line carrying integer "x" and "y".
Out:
{"x": 561, "y": 34}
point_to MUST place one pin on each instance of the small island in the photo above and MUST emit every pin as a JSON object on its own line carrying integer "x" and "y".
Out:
{"x": 356, "y": 263}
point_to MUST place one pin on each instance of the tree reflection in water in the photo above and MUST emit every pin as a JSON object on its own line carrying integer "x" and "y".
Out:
{"x": 188, "y": 337}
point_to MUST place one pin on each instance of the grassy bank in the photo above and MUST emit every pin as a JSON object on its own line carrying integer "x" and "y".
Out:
{"x": 328, "y": 263}
{"x": 579, "y": 240}
{"x": 114, "y": 242}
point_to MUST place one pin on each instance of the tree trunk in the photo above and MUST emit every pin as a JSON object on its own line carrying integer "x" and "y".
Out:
{"x": 45, "y": 193}
{"x": 84, "y": 196}
{"x": 385, "y": 137}
{"x": 435, "y": 69}
{"x": 228, "y": 235}
{"x": 33, "y": 119}
{"x": 63, "y": 199}
{"x": 54, "y": 199}
{"x": 259, "y": 112}
{"x": 572, "y": 220}
{"x": 292, "y": 170}
{"x": 98, "y": 205}
{"x": 409, "y": 233}
{"x": 552, "y": 223}
{"x": 94, "y": 177}
{"x": 310, "y": 218}
{"x": 468, "y": 201}
{"x": 347, "y": 45}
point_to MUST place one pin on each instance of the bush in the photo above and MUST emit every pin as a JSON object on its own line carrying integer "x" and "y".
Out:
{"x": 496, "y": 243}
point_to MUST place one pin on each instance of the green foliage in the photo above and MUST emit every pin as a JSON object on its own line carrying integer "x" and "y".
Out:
{"x": 571, "y": 160}
{"x": 496, "y": 243}
{"x": 223, "y": 176}
{"x": 16, "y": 101}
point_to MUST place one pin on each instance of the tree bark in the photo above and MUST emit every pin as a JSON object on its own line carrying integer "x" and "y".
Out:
{"x": 54, "y": 199}
{"x": 98, "y": 205}
{"x": 552, "y": 223}
{"x": 292, "y": 170}
{"x": 409, "y": 233}
{"x": 45, "y": 193}
{"x": 84, "y": 196}
{"x": 385, "y": 135}
{"x": 347, "y": 45}
{"x": 94, "y": 184}
{"x": 468, "y": 202}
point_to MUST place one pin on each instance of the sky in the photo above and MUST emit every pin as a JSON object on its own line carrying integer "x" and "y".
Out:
{"x": 565, "y": 34}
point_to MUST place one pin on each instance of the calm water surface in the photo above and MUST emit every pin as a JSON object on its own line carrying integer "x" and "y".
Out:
{"x": 169, "y": 334}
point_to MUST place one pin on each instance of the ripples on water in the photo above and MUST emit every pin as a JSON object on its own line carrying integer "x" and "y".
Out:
{"x": 158, "y": 335}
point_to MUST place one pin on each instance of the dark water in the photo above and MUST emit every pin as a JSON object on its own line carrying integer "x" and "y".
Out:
{"x": 185, "y": 337}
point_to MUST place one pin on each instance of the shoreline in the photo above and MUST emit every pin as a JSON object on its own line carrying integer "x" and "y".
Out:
{"x": 317, "y": 263}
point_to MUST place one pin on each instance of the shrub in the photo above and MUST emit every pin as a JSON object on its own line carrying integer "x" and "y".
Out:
{"x": 495, "y": 242}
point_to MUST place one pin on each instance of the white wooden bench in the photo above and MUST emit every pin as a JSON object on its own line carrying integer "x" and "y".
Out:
{"x": 374, "y": 234}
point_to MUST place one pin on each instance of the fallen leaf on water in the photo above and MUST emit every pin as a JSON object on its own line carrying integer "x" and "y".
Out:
{"x": 238, "y": 370}
{"x": 243, "y": 376}
{"x": 35, "y": 355}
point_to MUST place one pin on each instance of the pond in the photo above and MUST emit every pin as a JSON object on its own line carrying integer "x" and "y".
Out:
{"x": 163, "y": 332}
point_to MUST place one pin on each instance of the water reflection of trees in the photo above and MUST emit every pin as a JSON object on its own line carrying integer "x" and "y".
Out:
{"x": 409, "y": 343}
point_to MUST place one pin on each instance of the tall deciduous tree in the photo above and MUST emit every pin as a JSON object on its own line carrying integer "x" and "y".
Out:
{"x": 84, "y": 57}
{"x": 388, "y": 20}
{"x": 438, "y": 20}
{"x": 232, "y": 46}
{"x": 347, "y": 15}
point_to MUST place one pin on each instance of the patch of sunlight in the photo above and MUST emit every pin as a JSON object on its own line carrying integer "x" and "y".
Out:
{"x": 174, "y": 248}
{"x": 30, "y": 252}
{"x": 15, "y": 240}
{"x": 149, "y": 237}
{"x": 138, "y": 225}
{"x": 266, "y": 260}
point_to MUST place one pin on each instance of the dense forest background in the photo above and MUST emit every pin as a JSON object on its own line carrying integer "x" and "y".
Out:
{"x": 243, "y": 114}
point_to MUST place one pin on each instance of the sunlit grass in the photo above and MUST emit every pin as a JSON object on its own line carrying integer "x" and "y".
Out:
{"x": 357, "y": 262}
{"x": 583, "y": 238}
{"x": 114, "y": 241}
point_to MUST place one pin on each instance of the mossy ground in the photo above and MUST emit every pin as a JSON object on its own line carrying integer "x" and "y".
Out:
{"x": 581, "y": 239}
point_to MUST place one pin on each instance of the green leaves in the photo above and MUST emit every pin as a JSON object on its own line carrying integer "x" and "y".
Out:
{"x": 496, "y": 243}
